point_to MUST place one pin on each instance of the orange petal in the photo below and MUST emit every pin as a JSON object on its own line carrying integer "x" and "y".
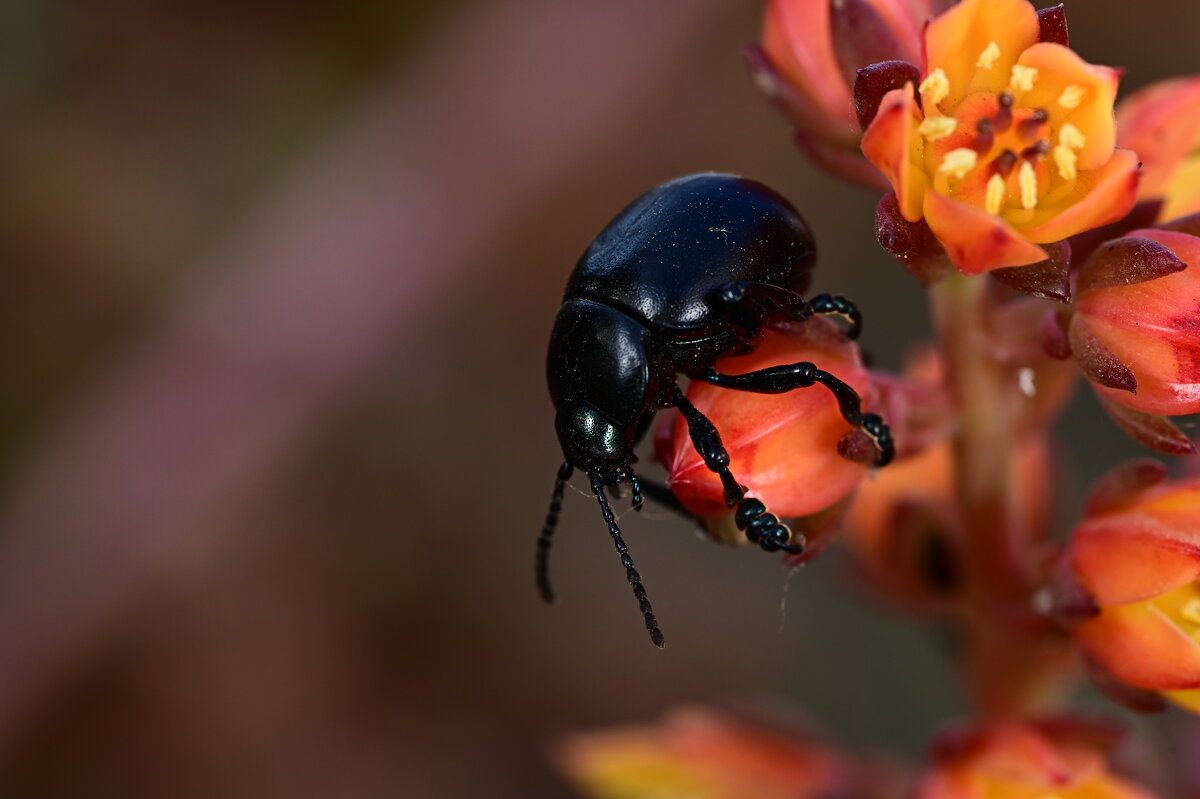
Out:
{"x": 888, "y": 142}
{"x": 1182, "y": 193}
{"x": 1059, "y": 68}
{"x": 797, "y": 38}
{"x": 975, "y": 240}
{"x": 1132, "y": 557}
{"x": 1139, "y": 645}
{"x": 955, "y": 40}
{"x": 1106, "y": 195}
{"x": 1161, "y": 123}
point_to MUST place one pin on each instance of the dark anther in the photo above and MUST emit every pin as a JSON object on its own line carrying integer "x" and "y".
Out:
{"x": 985, "y": 136}
{"x": 1030, "y": 127}
{"x": 1004, "y": 163}
{"x": 1004, "y": 117}
{"x": 1036, "y": 150}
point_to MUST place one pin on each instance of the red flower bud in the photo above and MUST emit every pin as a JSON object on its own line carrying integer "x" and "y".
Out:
{"x": 1136, "y": 332}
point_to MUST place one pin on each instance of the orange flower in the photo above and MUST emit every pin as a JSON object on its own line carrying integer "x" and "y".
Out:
{"x": 783, "y": 447}
{"x": 1136, "y": 556}
{"x": 1011, "y": 144}
{"x": 696, "y": 753}
{"x": 1136, "y": 329}
{"x": 810, "y": 52}
{"x": 1062, "y": 759}
{"x": 1162, "y": 124}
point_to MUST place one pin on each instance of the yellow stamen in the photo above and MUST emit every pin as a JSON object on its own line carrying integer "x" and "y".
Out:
{"x": 1022, "y": 77}
{"x": 1071, "y": 136}
{"x": 1191, "y": 611}
{"x": 934, "y": 128}
{"x": 936, "y": 86}
{"x": 989, "y": 55}
{"x": 959, "y": 162}
{"x": 1064, "y": 158}
{"x": 1072, "y": 96}
{"x": 1027, "y": 180}
{"x": 995, "y": 194}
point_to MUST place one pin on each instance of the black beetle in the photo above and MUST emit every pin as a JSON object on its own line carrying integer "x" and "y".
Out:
{"x": 691, "y": 271}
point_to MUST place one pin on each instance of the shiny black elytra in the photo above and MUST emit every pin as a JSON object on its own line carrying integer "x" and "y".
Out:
{"x": 691, "y": 271}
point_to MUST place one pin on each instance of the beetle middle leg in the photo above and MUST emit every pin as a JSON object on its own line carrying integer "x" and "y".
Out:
{"x": 761, "y": 526}
{"x": 784, "y": 378}
{"x": 790, "y": 304}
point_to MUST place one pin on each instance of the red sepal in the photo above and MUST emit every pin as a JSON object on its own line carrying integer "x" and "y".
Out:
{"x": 871, "y": 83}
{"x": 1156, "y": 432}
{"x": 1128, "y": 260}
{"x": 1122, "y": 483}
{"x": 1049, "y": 279}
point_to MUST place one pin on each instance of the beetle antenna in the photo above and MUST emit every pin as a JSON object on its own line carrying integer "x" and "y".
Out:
{"x": 635, "y": 579}
{"x": 541, "y": 567}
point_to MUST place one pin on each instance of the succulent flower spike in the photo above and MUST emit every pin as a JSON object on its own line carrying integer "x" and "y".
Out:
{"x": 795, "y": 451}
{"x": 1006, "y": 143}
{"x": 1135, "y": 556}
{"x": 1162, "y": 124}
{"x": 1057, "y": 758}
{"x": 699, "y": 753}
{"x": 1136, "y": 329}
{"x": 811, "y": 50}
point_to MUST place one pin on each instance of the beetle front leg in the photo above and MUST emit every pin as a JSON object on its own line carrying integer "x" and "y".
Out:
{"x": 761, "y": 527}
{"x": 781, "y": 379}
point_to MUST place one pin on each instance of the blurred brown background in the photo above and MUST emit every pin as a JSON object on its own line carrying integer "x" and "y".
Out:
{"x": 274, "y": 440}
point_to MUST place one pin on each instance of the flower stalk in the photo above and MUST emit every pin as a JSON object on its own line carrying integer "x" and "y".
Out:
{"x": 1006, "y": 679}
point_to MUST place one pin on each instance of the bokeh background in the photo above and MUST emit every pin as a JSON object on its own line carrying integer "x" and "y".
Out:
{"x": 274, "y": 438}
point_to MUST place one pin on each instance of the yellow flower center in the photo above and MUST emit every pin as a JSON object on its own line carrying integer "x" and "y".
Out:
{"x": 1182, "y": 606}
{"x": 993, "y": 150}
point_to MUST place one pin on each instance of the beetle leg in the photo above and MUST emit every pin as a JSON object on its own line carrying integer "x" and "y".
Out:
{"x": 792, "y": 305}
{"x": 635, "y": 579}
{"x": 636, "y": 482}
{"x": 776, "y": 298}
{"x": 707, "y": 442}
{"x": 835, "y": 305}
{"x": 780, "y": 379}
{"x": 764, "y": 528}
{"x": 761, "y": 527}
{"x": 541, "y": 567}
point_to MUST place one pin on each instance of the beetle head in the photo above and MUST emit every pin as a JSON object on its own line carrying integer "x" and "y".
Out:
{"x": 592, "y": 442}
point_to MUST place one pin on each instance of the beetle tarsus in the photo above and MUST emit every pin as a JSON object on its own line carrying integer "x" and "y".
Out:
{"x": 835, "y": 305}
{"x": 765, "y": 529}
